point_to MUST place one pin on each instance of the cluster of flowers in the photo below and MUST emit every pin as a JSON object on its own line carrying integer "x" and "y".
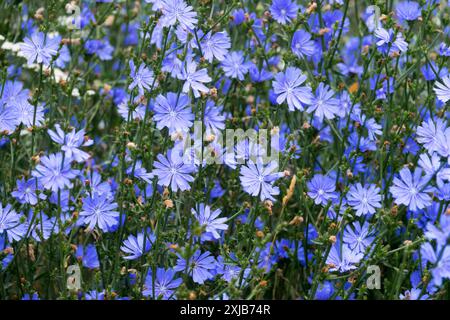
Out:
{"x": 94, "y": 119}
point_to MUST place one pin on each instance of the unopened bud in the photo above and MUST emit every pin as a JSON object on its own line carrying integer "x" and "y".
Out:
{"x": 131, "y": 145}
{"x": 332, "y": 239}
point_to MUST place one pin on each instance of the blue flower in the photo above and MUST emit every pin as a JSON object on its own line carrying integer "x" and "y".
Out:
{"x": 99, "y": 211}
{"x": 230, "y": 271}
{"x": 428, "y": 133}
{"x": 257, "y": 179}
{"x": 13, "y": 94}
{"x": 63, "y": 57}
{"x": 430, "y": 70}
{"x": 26, "y": 191}
{"x": 102, "y": 48}
{"x": 173, "y": 172}
{"x": 408, "y": 10}
{"x": 213, "y": 119}
{"x": 43, "y": 226}
{"x": 440, "y": 234}
{"x": 54, "y": 172}
{"x": 10, "y": 223}
{"x": 283, "y": 11}
{"x": 210, "y": 221}
{"x": 40, "y": 48}
{"x": 164, "y": 285}
{"x": 364, "y": 199}
{"x": 442, "y": 89}
{"x": 173, "y": 112}
{"x": 439, "y": 259}
{"x": 29, "y": 115}
{"x": 215, "y": 46}
{"x": 322, "y": 189}
{"x": 386, "y": 39}
{"x": 359, "y": 237}
{"x": 413, "y": 294}
{"x": 135, "y": 246}
{"x": 140, "y": 172}
{"x": 8, "y": 119}
{"x": 266, "y": 260}
{"x": 71, "y": 142}
{"x": 142, "y": 78}
{"x": 88, "y": 255}
{"x": 287, "y": 86}
{"x": 200, "y": 266}
{"x": 194, "y": 79}
{"x": 323, "y": 104}
{"x": 178, "y": 11}
{"x": 27, "y": 296}
{"x": 234, "y": 65}
{"x": 302, "y": 45}
{"x": 342, "y": 258}
{"x": 411, "y": 190}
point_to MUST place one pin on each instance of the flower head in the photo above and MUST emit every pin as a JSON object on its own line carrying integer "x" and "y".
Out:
{"x": 215, "y": 45}
{"x": 178, "y": 11}
{"x": 323, "y": 104}
{"x": 10, "y": 223}
{"x": 302, "y": 45}
{"x": 408, "y": 10}
{"x": 173, "y": 111}
{"x": 194, "y": 78}
{"x": 257, "y": 179}
{"x": 234, "y": 65}
{"x": 99, "y": 211}
{"x": 322, "y": 189}
{"x": 54, "y": 172}
{"x": 142, "y": 78}
{"x": 283, "y": 11}
{"x": 364, "y": 199}
{"x": 210, "y": 221}
{"x": 40, "y": 48}
{"x": 71, "y": 142}
{"x": 136, "y": 246}
{"x": 163, "y": 285}
{"x": 287, "y": 86}
{"x": 442, "y": 89}
{"x": 411, "y": 190}
{"x": 359, "y": 236}
{"x": 200, "y": 266}
{"x": 173, "y": 172}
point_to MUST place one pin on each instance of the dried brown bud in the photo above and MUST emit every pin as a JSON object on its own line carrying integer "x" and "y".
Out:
{"x": 168, "y": 203}
{"x": 36, "y": 158}
{"x": 306, "y": 126}
{"x": 407, "y": 242}
{"x": 394, "y": 210}
{"x": 213, "y": 92}
{"x": 349, "y": 174}
{"x": 311, "y": 8}
{"x": 324, "y": 31}
{"x": 39, "y": 15}
{"x": 131, "y": 145}
{"x": 268, "y": 205}
{"x": 332, "y": 239}
{"x": 260, "y": 234}
{"x": 192, "y": 295}
{"x": 296, "y": 221}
